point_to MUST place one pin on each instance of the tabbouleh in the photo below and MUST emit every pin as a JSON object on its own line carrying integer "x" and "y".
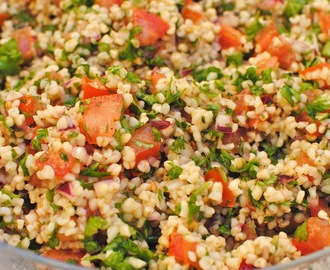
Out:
{"x": 165, "y": 134}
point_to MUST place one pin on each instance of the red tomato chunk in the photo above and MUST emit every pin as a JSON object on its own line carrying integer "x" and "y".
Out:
{"x": 99, "y": 116}
{"x": 153, "y": 27}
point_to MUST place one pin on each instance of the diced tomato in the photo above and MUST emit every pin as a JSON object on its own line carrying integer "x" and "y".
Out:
{"x": 25, "y": 41}
{"x": 255, "y": 122}
{"x": 108, "y": 3}
{"x": 94, "y": 88}
{"x": 229, "y": 37}
{"x": 303, "y": 158}
{"x": 304, "y": 117}
{"x": 66, "y": 255}
{"x": 153, "y": 27}
{"x": 144, "y": 143}
{"x": 271, "y": 62}
{"x": 249, "y": 228}
{"x": 155, "y": 78}
{"x": 283, "y": 51}
{"x": 325, "y": 23}
{"x": 311, "y": 74}
{"x": 236, "y": 138}
{"x": 280, "y": 48}
{"x": 4, "y": 16}
{"x": 99, "y": 116}
{"x": 29, "y": 105}
{"x": 318, "y": 204}
{"x": 61, "y": 162}
{"x": 245, "y": 266}
{"x": 193, "y": 15}
{"x": 179, "y": 248}
{"x": 216, "y": 175}
{"x": 239, "y": 99}
{"x": 318, "y": 236}
{"x": 265, "y": 36}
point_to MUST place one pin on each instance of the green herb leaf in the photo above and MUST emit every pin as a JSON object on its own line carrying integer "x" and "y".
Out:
{"x": 205, "y": 89}
{"x": 253, "y": 28}
{"x": 257, "y": 90}
{"x": 130, "y": 52}
{"x": 174, "y": 172}
{"x": 193, "y": 208}
{"x": 201, "y": 75}
{"x": 22, "y": 163}
{"x": 10, "y": 58}
{"x": 326, "y": 49}
{"x": 301, "y": 232}
{"x": 132, "y": 77}
{"x": 94, "y": 224}
{"x": 235, "y": 59}
{"x": 254, "y": 201}
{"x": 320, "y": 104}
{"x": 150, "y": 99}
{"x": 294, "y": 7}
{"x": 266, "y": 75}
{"x": 178, "y": 144}
{"x": 41, "y": 134}
{"x": 288, "y": 93}
{"x": 93, "y": 171}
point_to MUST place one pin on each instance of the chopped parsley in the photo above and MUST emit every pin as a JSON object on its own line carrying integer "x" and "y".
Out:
{"x": 178, "y": 144}
{"x": 95, "y": 170}
{"x": 254, "y": 201}
{"x": 130, "y": 52}
{"x": 174, "y": 172}
{"x": 320, "y": 104}
{"x": 202, "y": 75}
{"x": 10, "y": 59}
{"x": 290, "y": 94}
{"x": 41, "y": 134}
{"x": 301, "y": 232}
{"x": 294, "y": 7}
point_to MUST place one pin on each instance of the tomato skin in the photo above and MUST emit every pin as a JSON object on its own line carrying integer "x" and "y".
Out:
{"x": 155, "y": 78}
{"x": 29, "y": 105}
{"x": 303, "y": 158}
{"x": 304, "y": 73}
{"x": 272, "y": 63}
{"x": 61, "y": 162}
{"x": 93, "y": 88}
{"x": 304, "y": 117}
{"x": 4, "y": 16}
{"x": 265, "y": 36}
{"x": 241, "y": 106}
{"x": 280, "y": 49}
{"x": 236, "y": 138}
{"x": 229, "y": 37}
{"x": 145, "y": 136}
{"x": 108, "y": 3}
{"x": 283, "y": 51}
{"x": 245, "y": 266}
{"x": 65, "y": 254}
{"x": 25, "y": 42}
{"x": 318, "y": 236}
{"x": 314, "y": 68}
{"x": 194, "y": 16}
{"x": 179, "y": 248}
{"x": 325, "y": 23}
{"x": 98, "y": 119}
{"x": 228, "y": 198}
{"x": 153, "y": 27}
{"x": 318, "y": 204}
